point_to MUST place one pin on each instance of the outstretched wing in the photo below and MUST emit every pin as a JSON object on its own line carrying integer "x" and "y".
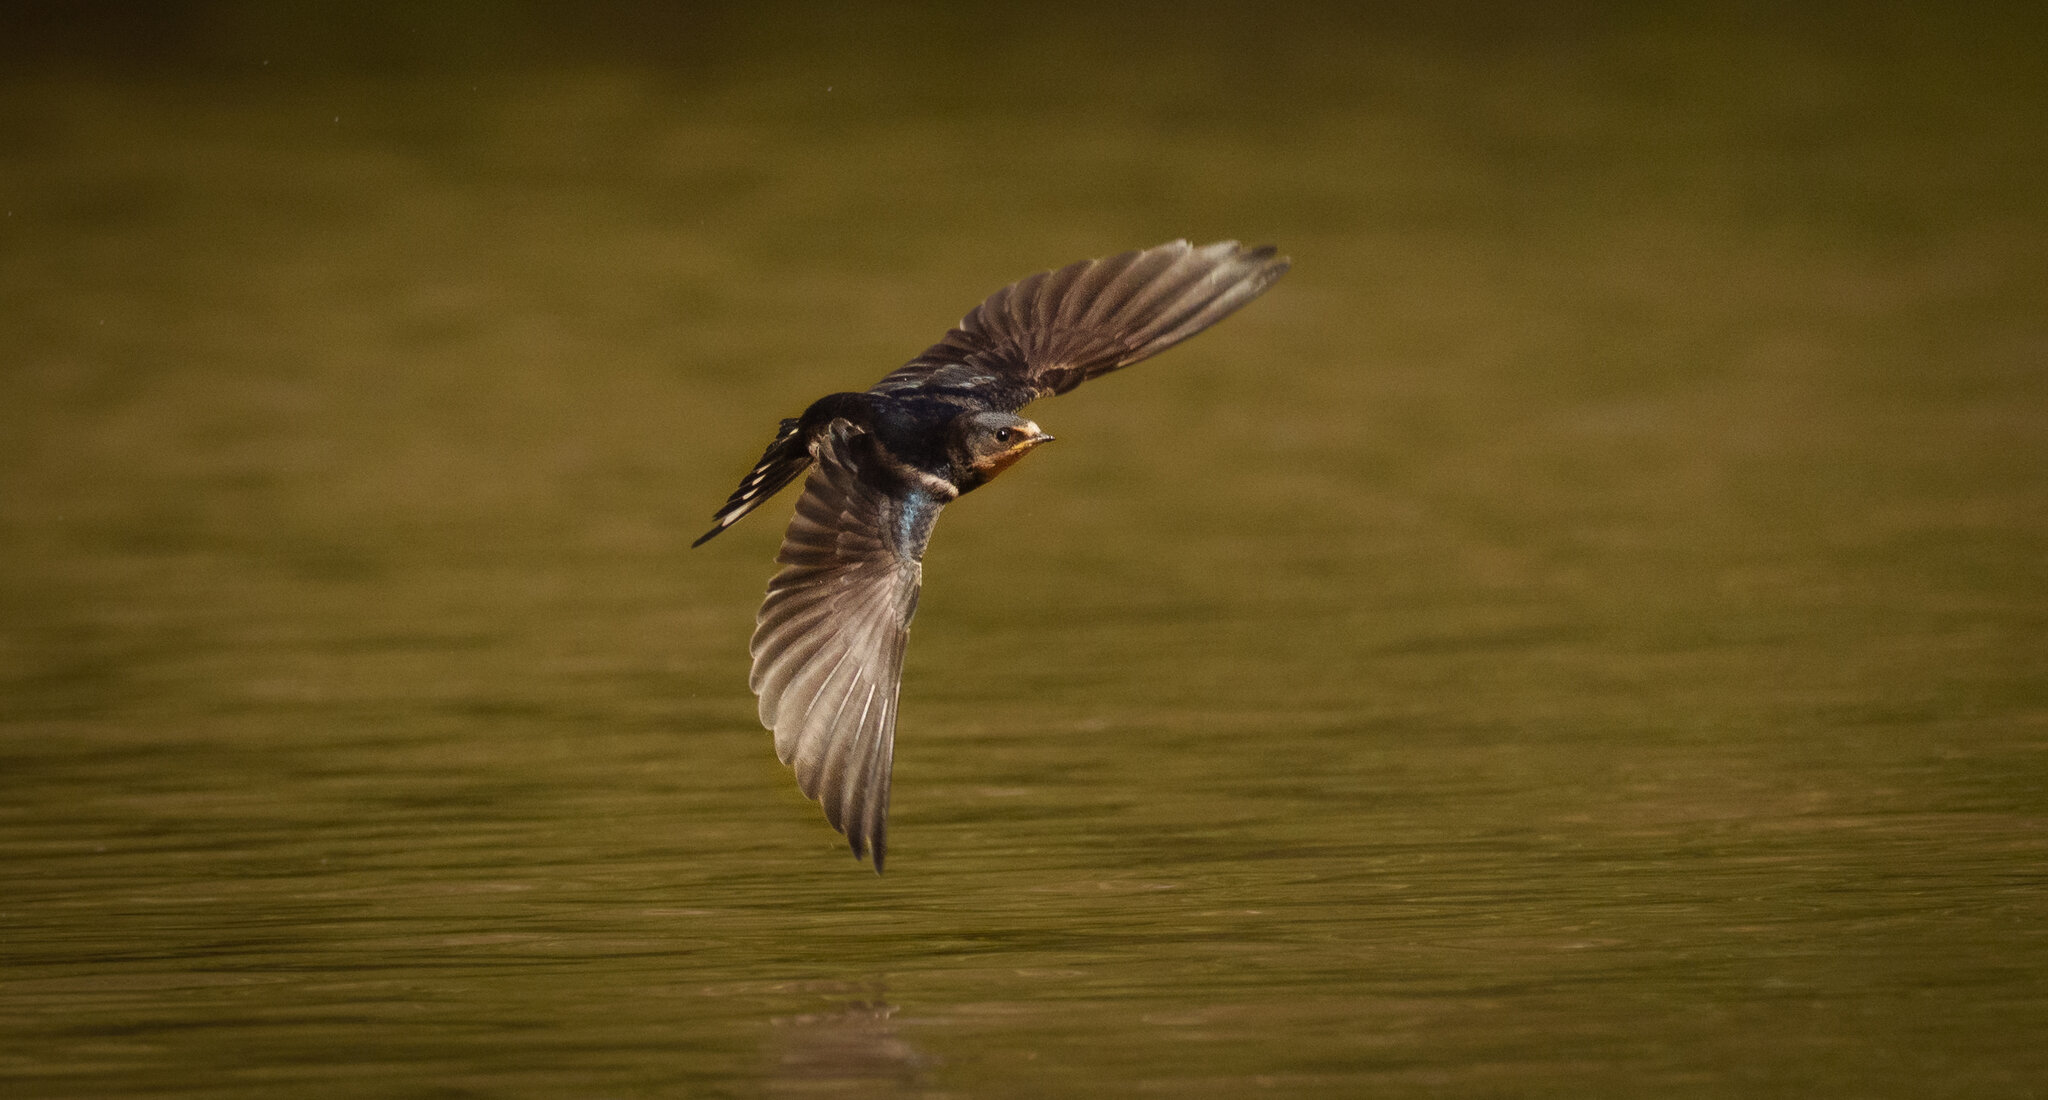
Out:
{"x": 828, "y": 643}
{"x": 1053, "y": 331}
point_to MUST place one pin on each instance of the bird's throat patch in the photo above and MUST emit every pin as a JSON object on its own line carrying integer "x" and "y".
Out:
{"x": 995, "y": 464}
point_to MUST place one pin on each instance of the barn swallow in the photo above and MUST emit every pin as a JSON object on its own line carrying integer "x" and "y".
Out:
{"x": 828, "y": 642}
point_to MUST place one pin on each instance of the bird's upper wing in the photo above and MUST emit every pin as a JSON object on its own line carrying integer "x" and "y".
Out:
{"x": 1053, "y": 331}
{"x": 828, "y": 644}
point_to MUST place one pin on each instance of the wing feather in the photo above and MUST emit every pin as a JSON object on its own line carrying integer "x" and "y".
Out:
{"x": 1050, "y": 332}
{"x": 828, "y": 643}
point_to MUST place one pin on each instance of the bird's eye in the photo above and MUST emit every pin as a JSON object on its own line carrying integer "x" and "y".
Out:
{"x": 1002, "y": 435}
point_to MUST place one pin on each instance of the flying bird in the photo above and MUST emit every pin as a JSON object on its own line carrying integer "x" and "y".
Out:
{"x": 828, "y": 642}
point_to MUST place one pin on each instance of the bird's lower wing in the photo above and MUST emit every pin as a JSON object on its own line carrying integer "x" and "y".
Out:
{"x": 828, "y": 643}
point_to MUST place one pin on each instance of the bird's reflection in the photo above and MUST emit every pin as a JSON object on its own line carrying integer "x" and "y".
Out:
{"x": 853, "y": 1044}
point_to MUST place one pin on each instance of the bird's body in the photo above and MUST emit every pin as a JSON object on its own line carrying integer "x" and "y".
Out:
{"x": 828, "y": 643}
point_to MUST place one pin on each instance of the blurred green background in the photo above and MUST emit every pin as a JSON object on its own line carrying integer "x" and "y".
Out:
{"x": 1584, "y": 632}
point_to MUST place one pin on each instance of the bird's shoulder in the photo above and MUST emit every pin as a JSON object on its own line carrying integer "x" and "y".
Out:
{"x": 892, "y": 441}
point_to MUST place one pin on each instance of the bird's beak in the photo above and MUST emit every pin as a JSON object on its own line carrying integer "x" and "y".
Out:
{"x": 1044, "y": 438}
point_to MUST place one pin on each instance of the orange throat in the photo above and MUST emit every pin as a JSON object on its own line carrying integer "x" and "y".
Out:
{"x": 989, "y": 467}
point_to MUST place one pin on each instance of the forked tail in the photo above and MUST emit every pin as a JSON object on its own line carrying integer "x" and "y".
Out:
{"x": 785, "y": 458}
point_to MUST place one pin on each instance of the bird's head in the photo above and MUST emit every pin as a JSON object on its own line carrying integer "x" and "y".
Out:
{"x": 989, "y": 443}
